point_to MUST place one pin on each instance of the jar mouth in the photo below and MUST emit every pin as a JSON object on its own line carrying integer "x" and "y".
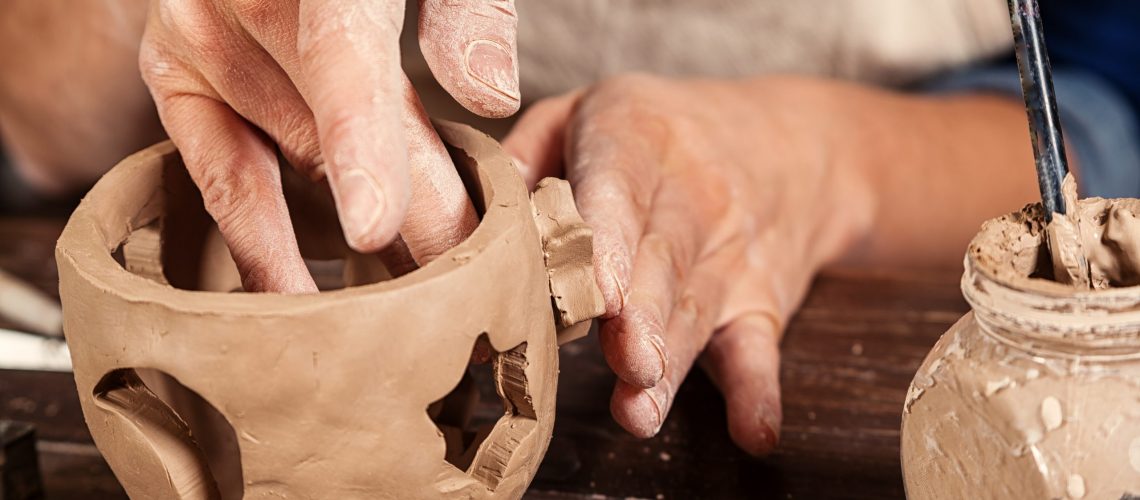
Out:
{"x": 1008, "y": 282}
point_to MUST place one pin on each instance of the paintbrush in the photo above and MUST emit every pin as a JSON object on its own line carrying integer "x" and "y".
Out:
{"x": 1048, "y": 141}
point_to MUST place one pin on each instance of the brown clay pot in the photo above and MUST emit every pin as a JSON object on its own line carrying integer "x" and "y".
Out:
{"x": 193, "y": 391}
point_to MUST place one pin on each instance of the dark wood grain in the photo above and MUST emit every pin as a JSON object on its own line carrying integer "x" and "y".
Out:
{"x": 848, "y": 357}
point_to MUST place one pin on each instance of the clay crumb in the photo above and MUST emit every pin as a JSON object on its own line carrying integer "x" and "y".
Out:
{"x": 1051, "y": 413}
{"x": 665, "y": 457}
{"x": 994, "y": 386}
{"x": 1032, "y": 437}
{"x": 1032, "y": 373}
{"x": 857, "y": 349}
{"x": 1076, "y": 487}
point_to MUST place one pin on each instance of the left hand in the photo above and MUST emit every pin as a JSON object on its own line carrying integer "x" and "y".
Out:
{"x": 713, "y": 204}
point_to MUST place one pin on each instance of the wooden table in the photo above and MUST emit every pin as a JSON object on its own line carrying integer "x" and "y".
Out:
{"x": 848, "y": 357}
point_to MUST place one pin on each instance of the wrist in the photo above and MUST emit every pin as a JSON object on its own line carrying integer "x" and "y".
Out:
{"x": 932, "y": 169}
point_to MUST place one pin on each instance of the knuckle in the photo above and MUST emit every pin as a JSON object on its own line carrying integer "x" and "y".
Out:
{"x": 339, "y": 126}
{"x": 219, "y": 193}
{"x": 505, "y": 7}
{"x": 504, "y": 10}
{"x": 500, "y": 12}
{"x": 156, "y": 66}
{"x": 326, "y": 29}
{"x": 300, "y": 144}
{"x": 230, "y": 197}
{"x": 641, "y": 318}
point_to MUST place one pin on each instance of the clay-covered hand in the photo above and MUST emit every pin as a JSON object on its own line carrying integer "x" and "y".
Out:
{"x": 321, "y": 80}
{"x": 712, "y": 204}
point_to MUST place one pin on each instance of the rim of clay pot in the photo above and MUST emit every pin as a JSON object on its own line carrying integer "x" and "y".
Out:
{"x": 123, "y": 199}
{"x": 1037, "y": 314}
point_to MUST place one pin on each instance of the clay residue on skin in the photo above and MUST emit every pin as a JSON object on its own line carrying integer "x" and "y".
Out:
{"x": 1096, "y": 245}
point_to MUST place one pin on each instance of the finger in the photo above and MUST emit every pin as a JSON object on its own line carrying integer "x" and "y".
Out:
{"x": 236, "y": 170}
{"x": 260, "y": 91}
{"x": 397, "y": 258}
{"x": 350, "y": 63}
{"x": 633, "y": 342}
{"x": 614, "y": 176}
{"x": 642, "y": 411}
{"x": 250, "y": 63}
{"x": 538, "y": 139}
{"x": 743, "y": 360}
{"x": 470, "y": 47}
{"x": 440, "y": 214}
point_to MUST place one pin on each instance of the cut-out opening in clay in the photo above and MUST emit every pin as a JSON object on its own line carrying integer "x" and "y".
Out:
{"x": 481, "y": 436}
{"x": 466, "y": 415}
{"x": 176, "y": 428}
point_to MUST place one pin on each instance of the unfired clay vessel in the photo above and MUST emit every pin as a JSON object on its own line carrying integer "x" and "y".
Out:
{"x": 1036, "y": 392}
{"x": 194, "y": 392}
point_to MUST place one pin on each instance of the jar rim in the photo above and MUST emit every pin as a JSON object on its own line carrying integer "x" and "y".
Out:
{"x": 1010, "y": 301}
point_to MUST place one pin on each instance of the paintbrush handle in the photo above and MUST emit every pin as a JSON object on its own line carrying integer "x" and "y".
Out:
{"x": 1040, "y": 103}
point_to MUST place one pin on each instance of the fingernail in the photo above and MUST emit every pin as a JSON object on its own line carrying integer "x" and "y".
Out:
{"x": 492, "y": 65}
{"x": 613, "y": 266}
{"x": 769, "y": 435}
{"x": 360, "y": 201}
{"x": 659, "y": 396}
{"x": 770, "y": 421}
{"x": 662, "y": 354}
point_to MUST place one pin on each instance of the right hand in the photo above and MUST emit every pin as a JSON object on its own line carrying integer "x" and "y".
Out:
{"x": 321, "y": 79}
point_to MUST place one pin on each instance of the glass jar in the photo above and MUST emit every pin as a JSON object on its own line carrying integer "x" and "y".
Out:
{"x": 1035, "y": 393}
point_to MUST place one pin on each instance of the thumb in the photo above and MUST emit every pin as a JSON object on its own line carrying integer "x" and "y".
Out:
{"x": 470, "y": 47}
{"x": 351, "y": 69}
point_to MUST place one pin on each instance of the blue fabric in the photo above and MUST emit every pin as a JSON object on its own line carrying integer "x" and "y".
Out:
{"x": 1098, "y": 36}
{"x": 1094, "y": 47}
{"x": 1101, "y": 127}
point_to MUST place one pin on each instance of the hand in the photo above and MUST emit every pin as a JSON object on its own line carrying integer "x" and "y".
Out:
{"x": 713, "y": 204}
{"x": 322, "y": 81}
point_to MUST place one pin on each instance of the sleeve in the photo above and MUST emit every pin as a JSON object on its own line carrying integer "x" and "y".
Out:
{"x": 1100, "y": 125}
